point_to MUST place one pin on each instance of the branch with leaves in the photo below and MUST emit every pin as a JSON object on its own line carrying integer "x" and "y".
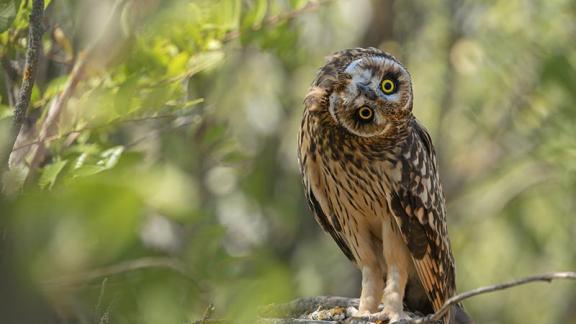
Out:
{"x": 36, "y": 153}
{"x": 29, "y": 146}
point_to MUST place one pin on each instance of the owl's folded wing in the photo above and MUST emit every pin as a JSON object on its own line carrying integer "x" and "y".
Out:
{"x": 330, "y": 225}
{"x": 418, "y": 207}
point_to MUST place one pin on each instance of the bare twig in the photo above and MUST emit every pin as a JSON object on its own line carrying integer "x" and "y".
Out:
{"x": 101, "y": 295}
{"x": 547, "y": 277}
{"x": 23, "y": 101}
{"x": 207, "y": 313}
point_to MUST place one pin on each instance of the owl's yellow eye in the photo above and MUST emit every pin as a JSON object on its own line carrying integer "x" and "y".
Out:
{"x": 365, "y": 114}
{"x": 388, "y": 86}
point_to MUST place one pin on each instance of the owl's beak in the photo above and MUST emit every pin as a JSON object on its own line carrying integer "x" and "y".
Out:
{"x": 366, "y": 91}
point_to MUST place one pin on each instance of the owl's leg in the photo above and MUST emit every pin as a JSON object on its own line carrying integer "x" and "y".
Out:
{"x": 397, "y": 267}
{"x": 372, "y": 287}
{"x": 371, "y": 294}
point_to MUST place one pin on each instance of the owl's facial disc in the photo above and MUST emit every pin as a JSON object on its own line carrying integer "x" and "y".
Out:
{"x": 377, "y": 92}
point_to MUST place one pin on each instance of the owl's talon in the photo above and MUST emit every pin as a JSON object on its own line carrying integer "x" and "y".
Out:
{"x": 393, "y": 316}
{"x": 354, "y": 312}
{"x": 379, "y": 317}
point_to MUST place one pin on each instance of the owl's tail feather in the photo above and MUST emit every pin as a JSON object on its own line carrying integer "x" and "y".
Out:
{"x": 460, "y": 316}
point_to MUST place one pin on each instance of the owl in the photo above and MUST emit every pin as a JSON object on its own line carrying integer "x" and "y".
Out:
{"x": 370, "y": 177}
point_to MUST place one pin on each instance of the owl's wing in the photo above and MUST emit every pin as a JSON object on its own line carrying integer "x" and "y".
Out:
{"x": 330, "y": 225}
{"x": 419, "y": 209}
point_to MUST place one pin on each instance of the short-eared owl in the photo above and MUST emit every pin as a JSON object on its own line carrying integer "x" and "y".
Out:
{"x": 371, "y": 180}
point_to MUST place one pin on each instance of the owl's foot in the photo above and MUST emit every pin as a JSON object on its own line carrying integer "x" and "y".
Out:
{"x": 354, "y": 312}
{"x": 384, "y": 316}
{"x": 333, "y": 314}
{"x": 394, "y": 316}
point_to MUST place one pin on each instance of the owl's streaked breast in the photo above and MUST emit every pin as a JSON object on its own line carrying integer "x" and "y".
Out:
{"x": 351, "y": 179}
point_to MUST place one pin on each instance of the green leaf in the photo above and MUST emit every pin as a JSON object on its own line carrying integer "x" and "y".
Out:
{"x": 110, "y": 157}
{"x": 50, "y": 173}
{"x": 8, "y": 11}
{"x": 85, "y": 166}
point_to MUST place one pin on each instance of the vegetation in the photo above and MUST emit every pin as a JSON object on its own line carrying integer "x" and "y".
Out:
{"x": 168, "y": 181}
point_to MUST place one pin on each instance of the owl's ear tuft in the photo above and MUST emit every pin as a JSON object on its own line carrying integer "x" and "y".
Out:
{"x": 315, "y": 99}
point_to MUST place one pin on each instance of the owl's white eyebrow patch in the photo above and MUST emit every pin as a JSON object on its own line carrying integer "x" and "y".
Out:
{"x": 359, "y": 73}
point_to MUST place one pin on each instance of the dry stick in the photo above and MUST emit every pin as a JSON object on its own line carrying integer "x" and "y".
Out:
{"x": 23, "y": 101}
{"x": 547, "y": 277}
{"x": 54, "y": 111}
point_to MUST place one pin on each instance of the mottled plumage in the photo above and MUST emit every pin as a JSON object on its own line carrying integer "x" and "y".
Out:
{"x": 370, "y": 176}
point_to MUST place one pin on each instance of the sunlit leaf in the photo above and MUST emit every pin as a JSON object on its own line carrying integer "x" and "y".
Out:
{"x": 110, "y": 157}
{"x": 86, "y": 165}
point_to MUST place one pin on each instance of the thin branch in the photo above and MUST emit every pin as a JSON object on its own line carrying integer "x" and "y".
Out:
{"x": 207, "y": 313}
{"x": 121, "y": 268}
{"x": 547, "y": 277}
{"x": 35, "y": 32}
{"x": 34, "y": 40}
{"x": 111, "y": 123}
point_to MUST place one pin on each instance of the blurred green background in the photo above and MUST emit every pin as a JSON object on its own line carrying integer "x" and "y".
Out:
{"x": 171, "y": 182}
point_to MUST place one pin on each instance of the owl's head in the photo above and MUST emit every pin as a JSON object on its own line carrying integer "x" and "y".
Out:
{"x": 366, "y": 91}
